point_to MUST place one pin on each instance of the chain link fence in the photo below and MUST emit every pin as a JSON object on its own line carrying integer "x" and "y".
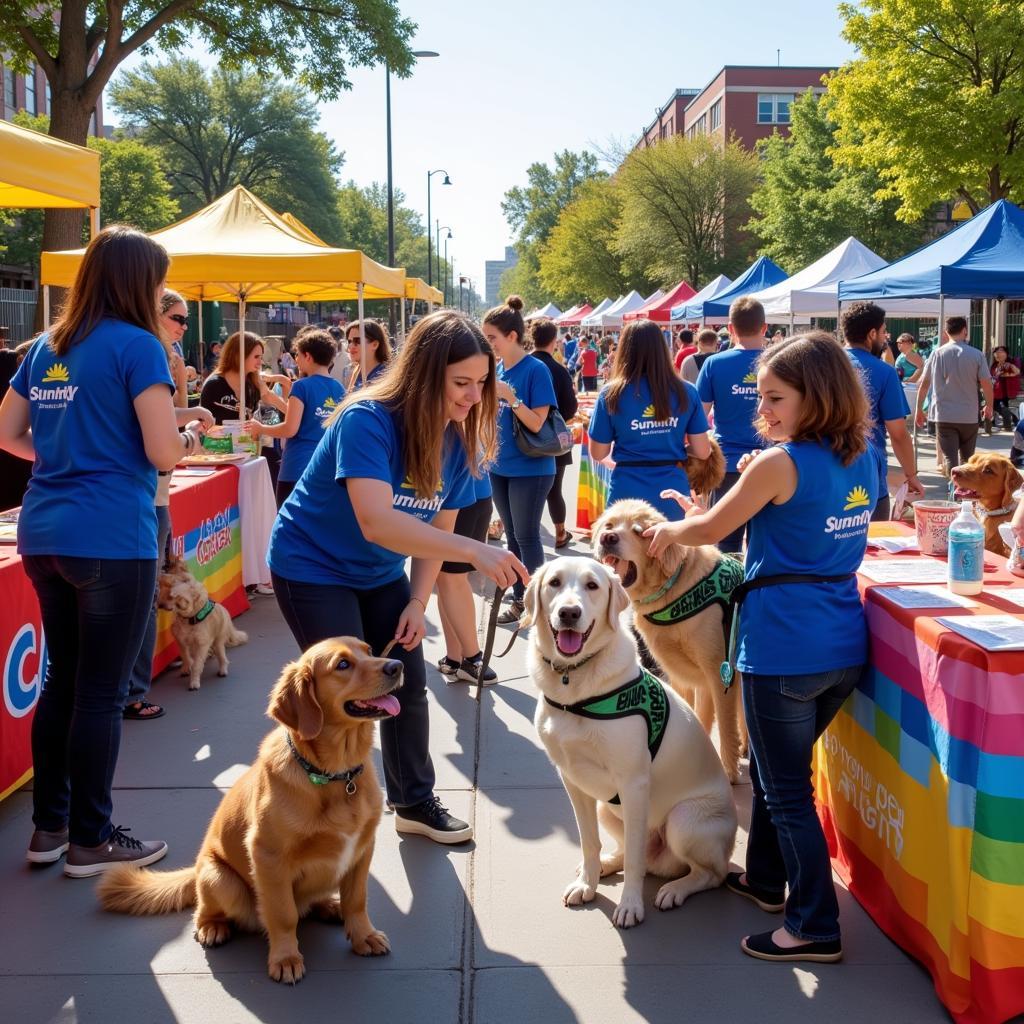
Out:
{"x": 17, "y": 315}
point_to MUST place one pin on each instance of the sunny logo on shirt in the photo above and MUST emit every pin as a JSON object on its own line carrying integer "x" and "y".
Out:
{"x": 410, "y": 501}
{"x": 845, "y": 527}
{"x": 326, "y": 408}
{"x": 649, "y": 424}
{"x": 54, "y": 398}
{"x": 748, "y": 386}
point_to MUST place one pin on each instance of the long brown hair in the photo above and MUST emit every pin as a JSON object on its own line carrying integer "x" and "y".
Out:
{"x": 230, "y": 360}
{"x": 117, "y": 279}
{"x": 643, "y": 354}
{"x": 835, "y": 410}
{"x": 373, "y": 332}
{"x": 414, "y": 387}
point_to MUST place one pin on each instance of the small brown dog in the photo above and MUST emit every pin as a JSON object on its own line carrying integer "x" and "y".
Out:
{"x": 200, "y": 626}
{"x": 688, "y": 642}
{"x": 991, "y": 480}
{"x": 289, "y": 839}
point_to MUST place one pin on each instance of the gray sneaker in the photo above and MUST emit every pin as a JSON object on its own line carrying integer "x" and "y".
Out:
{"x": 47, "y": 847}
{"x": 120, "y": 848}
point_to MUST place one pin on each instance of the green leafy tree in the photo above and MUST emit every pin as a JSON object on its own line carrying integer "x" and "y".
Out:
{"x": 684, "y": 206}
{"x": 806, "y": 204}
{"x": 933, "y": 102}
{"x": 312, "y": 41}
{"x": 579, "y": 260}
{"x": 228, "y": 127}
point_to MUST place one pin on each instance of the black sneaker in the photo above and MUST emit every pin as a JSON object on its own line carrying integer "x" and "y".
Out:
{"x": 448, "y": 667}
{"x": 119, "y": 848}
{"x": 469, "y": 670}
{"x": 47, "y": 847}
{"x": 432, "y": 820}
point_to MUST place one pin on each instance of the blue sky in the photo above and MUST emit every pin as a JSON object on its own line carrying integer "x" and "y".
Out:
{"x": 514, "y": 83}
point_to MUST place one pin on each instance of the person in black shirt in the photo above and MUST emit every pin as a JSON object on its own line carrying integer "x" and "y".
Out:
{"x": 543, "y": 333}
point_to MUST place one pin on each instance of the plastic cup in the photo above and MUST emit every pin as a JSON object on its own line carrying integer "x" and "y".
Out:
{"x": 931, "y": 520}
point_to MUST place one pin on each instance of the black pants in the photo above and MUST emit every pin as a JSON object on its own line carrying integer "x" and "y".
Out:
{"x": 556, "y": 502}
{"x": 1001, "y": 409}
{"x": 732, "y": 544}
{"x": 882, "y": 509}
{"x": 283, "y": 489}
{"x": 957, "y": 441}
{"x": 315, "y": 612}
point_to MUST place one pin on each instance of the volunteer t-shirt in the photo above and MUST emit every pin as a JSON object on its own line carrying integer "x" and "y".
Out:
{"x": 800, "y": 628}
{"x": 639, "y": 437}
{"x": 357, "y": 379}
{"x": 320, "y": 395}
{"x": 728, "y": 380}
{"x": 92, "y": 490}
{"x": 316, "y": 537}
{"x": 531, "y": 380}
{"x": 886, "y": 399}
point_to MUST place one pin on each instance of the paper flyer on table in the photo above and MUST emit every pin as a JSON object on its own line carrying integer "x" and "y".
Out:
{"x": 894, "y": 545}
{"x": 1015, "y": 595}
{"x": 991, "y": 632}
{"x": 904, "y": 570}
{"x": 926, "y": 596}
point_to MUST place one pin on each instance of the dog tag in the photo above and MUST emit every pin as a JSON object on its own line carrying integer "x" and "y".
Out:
{"x": 350, "y": 788}
{"x": 726, "y": 673}
{"x": 317, "y": 779}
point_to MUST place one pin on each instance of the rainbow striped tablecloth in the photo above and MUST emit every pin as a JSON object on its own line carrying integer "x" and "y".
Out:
{"x": 920, "y": 782}
{"x": 592, "y": 487}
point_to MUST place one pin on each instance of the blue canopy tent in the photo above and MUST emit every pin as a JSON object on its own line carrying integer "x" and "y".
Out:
{"x": 763, "y": 273}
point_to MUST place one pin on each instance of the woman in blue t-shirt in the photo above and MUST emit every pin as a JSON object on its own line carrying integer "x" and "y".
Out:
{"x": 311, "y": 399}
{"x": 520, "y": 483}
{"x": 802, "y": 645}
{"x": 378, "y": 351}
{"x": 91, "y": 405}
{"x": 653, "y": 419}
{"x": 385, "y": 483}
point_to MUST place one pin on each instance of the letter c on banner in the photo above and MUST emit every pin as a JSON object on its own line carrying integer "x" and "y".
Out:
{"x": 21, "y": 695}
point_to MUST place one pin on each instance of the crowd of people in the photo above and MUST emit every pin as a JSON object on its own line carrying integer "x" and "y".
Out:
{"x": 396, "y": 455}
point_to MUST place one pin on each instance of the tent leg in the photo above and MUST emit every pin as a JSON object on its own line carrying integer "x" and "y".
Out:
{"x": 241, "y": 358}
{"x": 202, "y": 344}
{"x": 401, "y": 335}
{"x": 94, "y": 221}
{"x": 46, "y": 306}
{"x": 362, "y": 334}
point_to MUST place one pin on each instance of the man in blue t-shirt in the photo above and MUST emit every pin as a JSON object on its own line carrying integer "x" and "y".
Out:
{"x": 727, "y": 385}
{"x": 863, "y": 329}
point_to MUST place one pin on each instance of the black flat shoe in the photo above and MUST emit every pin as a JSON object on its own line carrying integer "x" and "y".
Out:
{"x": 773, "y": 902}
{"x": 763, "y": 947}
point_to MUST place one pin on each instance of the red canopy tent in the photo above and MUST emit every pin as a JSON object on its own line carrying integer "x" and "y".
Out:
{"x": 576, "y": 317}
{"x": 660, "y": 310}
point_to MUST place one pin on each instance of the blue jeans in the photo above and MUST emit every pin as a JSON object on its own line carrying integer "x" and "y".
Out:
{"x": 520, "y": 503}
{"x": 94, "y": 613}
{"x": 785, "y": 716}
{"x": 317, "y": 611}
{"x": 142, "y": 672}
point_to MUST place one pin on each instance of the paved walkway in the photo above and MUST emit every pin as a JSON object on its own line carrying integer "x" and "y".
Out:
{"x": 478, "y": 932}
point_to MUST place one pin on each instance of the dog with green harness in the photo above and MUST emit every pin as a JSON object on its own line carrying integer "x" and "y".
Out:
{"x": 682, "y": 609}
{"x": 630, "y": 752}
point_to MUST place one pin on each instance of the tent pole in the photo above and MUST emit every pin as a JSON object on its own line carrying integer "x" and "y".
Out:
{"x": 402, "y": 334}
{"x": 94, "y": 221}
{"x": 362, "y": 335}
{"x": 202, "y": 344}
{"x": 46, "y": 305}
{"x": 241, "y": 357}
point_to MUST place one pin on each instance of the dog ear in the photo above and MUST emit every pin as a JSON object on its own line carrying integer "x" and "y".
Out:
{"x": 532, "y": 596}
{"x": 671, "y": 559}
{"x": 1011, "y": 482}
{"x": 618, "y": 601}
{"x": 293, "y": 701}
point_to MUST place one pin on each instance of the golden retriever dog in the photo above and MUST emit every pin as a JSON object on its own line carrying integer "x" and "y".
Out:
{"x": 690, "y": 651}
{"x": 630, "y": 752}
{"x": 175, "y": 570}
{"x": 201, "y": 627}
{"x": 991, "y": 480}
{"x": 705, "y": 475}
{"x": 287, "y": 841}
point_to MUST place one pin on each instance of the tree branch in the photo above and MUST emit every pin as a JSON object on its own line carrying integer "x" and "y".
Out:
{"x": 43, "y": 59}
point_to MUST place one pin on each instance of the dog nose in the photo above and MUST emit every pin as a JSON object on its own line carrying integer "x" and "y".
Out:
{"x": 609, "y": 539}
{"x": 569, "y": 615}
{"x": 392, "y": 668}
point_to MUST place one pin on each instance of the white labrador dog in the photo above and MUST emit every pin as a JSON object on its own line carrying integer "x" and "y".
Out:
{"x": 616, "y": 734}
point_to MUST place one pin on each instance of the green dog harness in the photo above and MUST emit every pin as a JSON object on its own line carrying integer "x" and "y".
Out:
{"x": 202, "y": 613}
{"x": 715, "y": 588}
{"x": 644, "y": 696}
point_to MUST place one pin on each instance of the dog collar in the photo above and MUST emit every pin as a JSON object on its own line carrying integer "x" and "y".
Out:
{"x": 321, "y": 778}
{"x": 202, "y": 613}
{"x": 987, "y": 513}
{"x": 565, "y": 670}
{"x": 663, "y": 589}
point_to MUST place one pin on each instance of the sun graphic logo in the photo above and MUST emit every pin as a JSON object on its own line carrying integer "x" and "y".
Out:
{"x": 57, "y": 372}
{"x": 857, "y": 498}
{"x": 751, "y": 378}
{"x": 649, "y": 413}
{"x": 329, "y": 403}
{"x": 408, "y": 485}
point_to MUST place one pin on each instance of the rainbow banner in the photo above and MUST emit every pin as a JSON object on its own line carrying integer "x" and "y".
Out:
{"x": 920, "y": 782}
{"x": 592, "y": 488}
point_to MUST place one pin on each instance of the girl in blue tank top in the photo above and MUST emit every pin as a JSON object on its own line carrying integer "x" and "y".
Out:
{"x": 802, "y": 644}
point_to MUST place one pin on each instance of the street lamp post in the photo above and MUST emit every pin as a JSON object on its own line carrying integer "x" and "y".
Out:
{"x": 443, "y": 281}
{"x": 462, "y": 281}
{"x": 447, "y": 181}
{"x": 446, "y": 266}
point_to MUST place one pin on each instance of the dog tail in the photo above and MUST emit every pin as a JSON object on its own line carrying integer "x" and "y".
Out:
{"x": 129, "y": 890}
{"x": 236, "y": 638}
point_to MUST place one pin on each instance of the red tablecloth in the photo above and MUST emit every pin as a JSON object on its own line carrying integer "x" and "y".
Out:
{"x": 205, "y": 528}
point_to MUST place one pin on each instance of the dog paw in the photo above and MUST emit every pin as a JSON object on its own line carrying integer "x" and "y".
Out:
{"x": 213, "y": 933}
{"x": 287, "y": 969}
{"x": 629, "y": 912}
{"x": 671, "y": 895}
{"x": 184, "y": 673}
{"x": 222, "y": 672}
{"x": 374, "y": 944}
{"x": 611, "y": 864}
{"x": 328, "y": 911}
{"x": 577, "y": 892}
{"x": 193, "y": 686}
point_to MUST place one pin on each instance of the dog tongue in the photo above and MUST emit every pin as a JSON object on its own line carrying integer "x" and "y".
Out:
{"x": 388, "y": 704}
{"x": 569, "y": 641}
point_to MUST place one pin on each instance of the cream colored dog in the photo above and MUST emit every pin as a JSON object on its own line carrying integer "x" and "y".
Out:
{"x": 691, "y": 650}
{"x": 676, "y": 818}
{"x": 201, "y": 630}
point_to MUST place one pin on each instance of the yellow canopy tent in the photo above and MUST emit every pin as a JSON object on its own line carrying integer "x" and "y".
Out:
{"x": 238, "y": 249}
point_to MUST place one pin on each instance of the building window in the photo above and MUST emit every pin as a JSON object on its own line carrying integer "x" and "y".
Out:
{"x": 716, "y": 114}
{"x": 30, "y": 90}
{"x": 9, "y": 103}
{"x": 49, "y": 100}
{"x": 773, "y": 107}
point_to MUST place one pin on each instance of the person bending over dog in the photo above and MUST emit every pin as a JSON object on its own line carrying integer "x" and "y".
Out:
{"x": 807, "y": 502}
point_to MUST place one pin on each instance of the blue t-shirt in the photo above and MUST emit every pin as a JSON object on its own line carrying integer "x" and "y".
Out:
{"x": 92, "y": 489}
{"x": 639, "y": 437}
{"x": 531, "y": 380}
{"x": 728, "y": 380}
{"x": 569, "y": 350}
{"x": 320, "y": 395}
{"x": 800, "y": 628}
{"x": 357, "y": 380}
{"x": 316, "y": 536}
{"x": 886, "y": 399}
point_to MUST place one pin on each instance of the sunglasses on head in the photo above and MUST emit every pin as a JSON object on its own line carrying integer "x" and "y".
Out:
{"x": 178, "y": 319}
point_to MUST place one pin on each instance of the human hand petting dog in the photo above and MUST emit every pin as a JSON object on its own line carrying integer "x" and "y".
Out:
{"x": 662, "y": 535}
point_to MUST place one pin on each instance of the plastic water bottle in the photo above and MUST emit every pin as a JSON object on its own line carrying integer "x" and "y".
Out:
{"x": 966, "y": 552}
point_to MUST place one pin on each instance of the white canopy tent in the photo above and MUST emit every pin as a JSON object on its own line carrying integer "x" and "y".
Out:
{"x": 712, "y": 288}
{"x": 550, "y": 310}
{"x": 612, "y": 316}
{"x": 594, "y": 319}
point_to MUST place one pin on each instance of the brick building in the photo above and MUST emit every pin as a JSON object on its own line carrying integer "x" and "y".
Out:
{"x": 31, "y": 93}
{"x": 746, "y": 102}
